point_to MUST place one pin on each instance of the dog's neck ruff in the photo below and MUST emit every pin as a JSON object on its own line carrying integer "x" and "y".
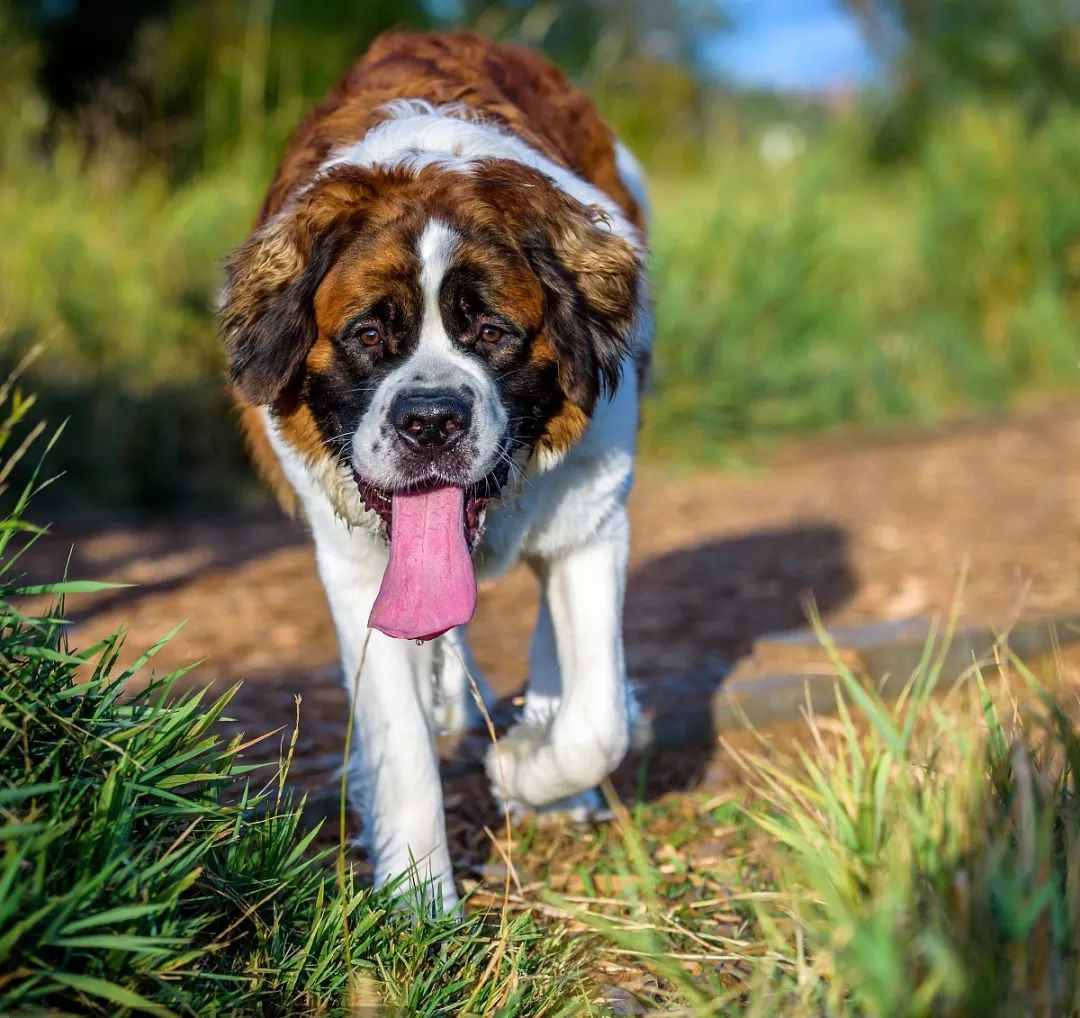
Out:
{"x": 418, "y": 134}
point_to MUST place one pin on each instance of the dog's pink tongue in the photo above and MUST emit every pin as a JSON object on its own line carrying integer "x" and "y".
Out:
{"x": 428, "y": 586}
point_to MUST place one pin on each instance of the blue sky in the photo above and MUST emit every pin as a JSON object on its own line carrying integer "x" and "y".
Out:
{"x": 792, "y": 44}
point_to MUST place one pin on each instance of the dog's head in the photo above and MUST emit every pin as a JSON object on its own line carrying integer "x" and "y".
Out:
{"x": 421, "y": 329}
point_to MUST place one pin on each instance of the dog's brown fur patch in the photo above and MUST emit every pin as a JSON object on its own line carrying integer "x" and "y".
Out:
{"x": 501, "y": 82}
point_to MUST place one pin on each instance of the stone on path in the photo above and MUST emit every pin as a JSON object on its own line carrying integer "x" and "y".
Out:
{"x": 788, "y": 671}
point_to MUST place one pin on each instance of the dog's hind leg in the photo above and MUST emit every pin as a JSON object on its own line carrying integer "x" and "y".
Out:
{"x": 454, "y": 707}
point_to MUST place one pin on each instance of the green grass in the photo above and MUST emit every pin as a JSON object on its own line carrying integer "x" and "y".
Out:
{"x": 926, "y": 866}
{"x": 903, "y": 859}
{"x": 146, "y": 869}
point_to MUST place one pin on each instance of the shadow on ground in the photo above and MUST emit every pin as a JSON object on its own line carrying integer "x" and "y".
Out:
{"x": 690, "y": 615}
{"x": 160, "y": 558}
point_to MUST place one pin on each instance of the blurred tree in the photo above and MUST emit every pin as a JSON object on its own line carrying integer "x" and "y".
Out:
{"x": 193, "y": 80}
{"x": 1022, "y": 51}
{"x": 81, "y": 42}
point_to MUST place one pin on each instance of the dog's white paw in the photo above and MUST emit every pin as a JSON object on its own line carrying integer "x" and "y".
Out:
{"x": 531, "y": 775}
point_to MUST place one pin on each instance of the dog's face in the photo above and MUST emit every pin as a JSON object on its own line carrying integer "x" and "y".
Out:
{"x": 415, "y": 329}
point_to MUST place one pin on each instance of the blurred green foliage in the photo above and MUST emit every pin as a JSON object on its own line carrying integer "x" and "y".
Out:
{"x": 825, "y": 292}
{"x": 800, "y": 284}
{"x": 943, "y": 52}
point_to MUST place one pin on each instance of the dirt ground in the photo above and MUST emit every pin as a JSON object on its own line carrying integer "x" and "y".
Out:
{"x": 873, "y": 531}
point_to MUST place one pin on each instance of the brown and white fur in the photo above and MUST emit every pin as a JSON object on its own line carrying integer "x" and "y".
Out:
{"x": 455, "y": 215}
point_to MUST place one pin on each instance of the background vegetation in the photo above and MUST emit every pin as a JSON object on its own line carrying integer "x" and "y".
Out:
{"x": 820, "y": 260}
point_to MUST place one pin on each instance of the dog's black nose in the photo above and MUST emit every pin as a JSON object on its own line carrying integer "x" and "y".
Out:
{"x": 430, "y": 419}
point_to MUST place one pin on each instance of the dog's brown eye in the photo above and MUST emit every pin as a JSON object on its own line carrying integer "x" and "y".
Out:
{"x": 370, "y": 337}
{"x": 491, "y": 333}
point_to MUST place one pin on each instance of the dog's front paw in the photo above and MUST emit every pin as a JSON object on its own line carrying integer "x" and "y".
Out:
{"x": 417, "y": 889}
{"x": 532, "y": 768}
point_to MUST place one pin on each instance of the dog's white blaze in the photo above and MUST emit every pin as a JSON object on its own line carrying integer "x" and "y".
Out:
{"x": 435, "y": 249}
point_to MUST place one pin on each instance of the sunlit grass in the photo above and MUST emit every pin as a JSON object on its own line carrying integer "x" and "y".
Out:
{"x": 908, "y": 858}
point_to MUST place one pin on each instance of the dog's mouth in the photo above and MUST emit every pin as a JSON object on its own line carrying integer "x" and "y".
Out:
{"x": 428, "y": 586}
{"x": 476, "y": 499}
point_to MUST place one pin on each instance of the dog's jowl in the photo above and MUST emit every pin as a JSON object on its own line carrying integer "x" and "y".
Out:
{"x": 436, "y": 336}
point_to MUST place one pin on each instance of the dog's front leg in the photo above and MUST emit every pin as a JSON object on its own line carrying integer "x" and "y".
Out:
{"x": 393, "y": 771}
{"x": 542, "y": 760}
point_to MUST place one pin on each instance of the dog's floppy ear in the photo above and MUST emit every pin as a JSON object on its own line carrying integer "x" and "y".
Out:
{"x": 267, "y": 311}
{"x": 591, "y": 277}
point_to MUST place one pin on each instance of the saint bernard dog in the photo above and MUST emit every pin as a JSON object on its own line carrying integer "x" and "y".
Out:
{"x": 436, "y": 338}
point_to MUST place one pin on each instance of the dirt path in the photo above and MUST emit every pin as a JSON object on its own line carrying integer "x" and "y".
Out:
{"x": 872, "y": 533}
